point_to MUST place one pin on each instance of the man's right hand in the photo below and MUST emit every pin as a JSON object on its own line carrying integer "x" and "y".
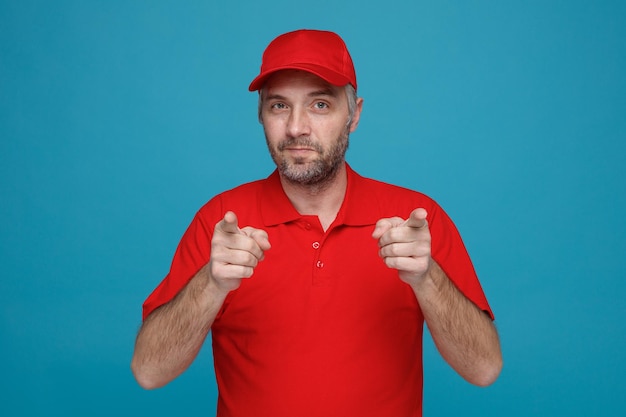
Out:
{"x": 235, "y": 252}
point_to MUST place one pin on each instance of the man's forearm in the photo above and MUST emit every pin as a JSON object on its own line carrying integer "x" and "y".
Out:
{"x": 171, "y": 337}
{"x": 465, "y": 336}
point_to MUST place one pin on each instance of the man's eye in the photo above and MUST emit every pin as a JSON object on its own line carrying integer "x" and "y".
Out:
{"x": 321, "y": 105}
{"x": 278, "y": 106}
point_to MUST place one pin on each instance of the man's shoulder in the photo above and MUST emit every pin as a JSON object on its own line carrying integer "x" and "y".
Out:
{"x": 390, "y": 192}
{"x": 372, "y": 199}
{"x": 244, "y": 189}
{"x": 243, "y": 198}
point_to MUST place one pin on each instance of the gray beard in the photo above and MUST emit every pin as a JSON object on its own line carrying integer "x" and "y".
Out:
{"x": 317, "y": 173}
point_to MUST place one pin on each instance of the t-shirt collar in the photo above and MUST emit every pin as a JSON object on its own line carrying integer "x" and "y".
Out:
{"x": 357, "y": 208}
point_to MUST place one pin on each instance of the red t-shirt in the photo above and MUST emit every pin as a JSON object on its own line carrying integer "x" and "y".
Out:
{"x": 323, "y": 327}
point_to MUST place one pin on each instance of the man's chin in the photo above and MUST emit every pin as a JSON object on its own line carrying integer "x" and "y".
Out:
{"x": 301, "y": 174}
{"x": 308, "y": 174}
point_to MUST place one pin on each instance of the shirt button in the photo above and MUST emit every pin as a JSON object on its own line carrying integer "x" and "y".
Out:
{"x": 320, "y": 264}
{"x": 316, "y": 245}
{"x": 307, "y": 226}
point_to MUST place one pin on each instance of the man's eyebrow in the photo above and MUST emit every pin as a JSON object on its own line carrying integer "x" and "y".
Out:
{"x": 324, "y": 92}
{"x": 274, "y": 97}
{"x": 316, "y": 93}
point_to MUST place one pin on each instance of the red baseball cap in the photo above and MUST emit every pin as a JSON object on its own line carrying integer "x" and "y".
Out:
{"x": 319, "y": 52}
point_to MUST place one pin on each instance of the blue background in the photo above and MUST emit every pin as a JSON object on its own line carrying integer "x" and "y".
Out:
{"x": 119, "y": 119}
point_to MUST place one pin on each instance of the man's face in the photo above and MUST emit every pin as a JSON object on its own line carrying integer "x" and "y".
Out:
{"x": 305, "y": 120}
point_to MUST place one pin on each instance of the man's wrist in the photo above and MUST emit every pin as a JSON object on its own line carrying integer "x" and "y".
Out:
{"x": 431, "y": 280}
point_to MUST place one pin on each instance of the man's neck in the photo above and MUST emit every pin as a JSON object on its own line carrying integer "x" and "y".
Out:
{"x": 321, "y": 200}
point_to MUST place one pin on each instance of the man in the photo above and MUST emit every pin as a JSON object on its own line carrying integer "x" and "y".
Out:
{"x": 315, "y": 282}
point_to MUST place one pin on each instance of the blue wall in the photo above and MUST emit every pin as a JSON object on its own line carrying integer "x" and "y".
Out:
{"x": 119, "y": 119}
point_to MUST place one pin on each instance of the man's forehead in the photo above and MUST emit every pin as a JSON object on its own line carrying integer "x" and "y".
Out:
{"x": 300, "y": 79}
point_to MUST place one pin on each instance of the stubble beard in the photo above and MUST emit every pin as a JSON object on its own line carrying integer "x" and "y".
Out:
{"x": 316, "y": 173}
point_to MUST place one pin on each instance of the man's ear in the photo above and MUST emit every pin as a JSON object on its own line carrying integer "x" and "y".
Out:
{"x": 357, "y": 114}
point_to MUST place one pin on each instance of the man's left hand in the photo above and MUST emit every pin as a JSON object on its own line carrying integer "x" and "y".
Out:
{"x": 405, "y": 245}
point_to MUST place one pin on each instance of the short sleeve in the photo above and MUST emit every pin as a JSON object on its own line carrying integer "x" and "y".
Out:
{"x": 192, "y": 253}
{"x": 449, "y": 251}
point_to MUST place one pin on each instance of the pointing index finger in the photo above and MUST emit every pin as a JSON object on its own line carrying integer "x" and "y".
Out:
{"x": 417, "y": 218}
{"x": 229, "y": 223}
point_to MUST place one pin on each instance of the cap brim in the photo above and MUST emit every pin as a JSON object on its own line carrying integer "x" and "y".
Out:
{"x": 324, "y": 73}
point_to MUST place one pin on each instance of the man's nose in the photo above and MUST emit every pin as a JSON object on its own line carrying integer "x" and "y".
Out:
{"x": 298, "y": 123}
